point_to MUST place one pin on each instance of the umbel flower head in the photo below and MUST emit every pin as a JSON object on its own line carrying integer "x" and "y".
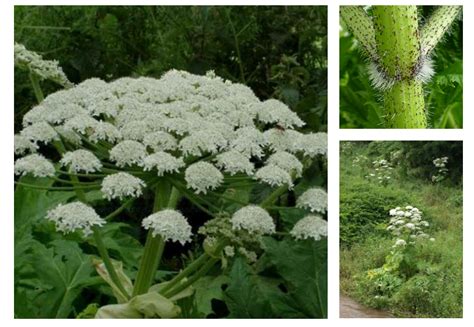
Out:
{"x": 170, "y": 225}
{"x": 81, "y": 161}
{"x": 45, "y": 69}
{"x": 74, "y": 216}
{"x": 24, "y": 145}
{"x": 203, "y": 176}
{"x": 202, "y": 125}
{"x": 253, "y": 219}
{"x": 121, "y": 185}
{"x": 34, "y": 164}
{"x": 315, "y": 199}
{"x": 312, "y": 226}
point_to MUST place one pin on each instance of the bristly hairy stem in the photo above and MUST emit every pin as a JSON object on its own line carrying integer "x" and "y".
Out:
{"x": 404, "y": 105}
{"x": 396, "y": 34}
{"x": 436, "y": 26}
{"x": 360, "y": 24}
{"x": 399, "y": 53}
{"x": 398, "y": 48}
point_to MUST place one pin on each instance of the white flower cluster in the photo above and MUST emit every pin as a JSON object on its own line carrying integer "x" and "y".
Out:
{"x": 74, "y": 216}
{"x": 161, "y": 124}
{"x": 170, "y": 225}
{"x": 24, "y": 145}
{"x": 312, "y": 226}
{"x": 34, "y": 164}
{"x": 407, "y": 225}
{"x": 121, "y": 185}
{"x": 203, "y": 176}
{"x": 382, "y": 171}
{"x": 45, "y": 69}
{"x": 253, "y": 219}
{"x": 315, "y": 199}
{"x": 442, "y": 171}
{"x": 81, "y": 161}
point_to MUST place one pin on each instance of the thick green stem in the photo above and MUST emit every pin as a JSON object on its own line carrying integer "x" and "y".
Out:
{"x": 436, "y": 26}
{"x": 396, "y": 34}
{"x": 196, "y": 264}
{"x": 174, "y": 198}
{"x": 154, "y": 245}
{"x": 108, "y": 262}
{"x": 360, "y": 24}
{"x": 274, "y": 196}
{"x": 398, "y": 48}
{"x": 404, "y": 105}
{"x": 36, "y": 87}
{"x": 201, "y": 272}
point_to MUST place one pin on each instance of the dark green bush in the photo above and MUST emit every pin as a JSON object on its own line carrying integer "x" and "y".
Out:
{"x": 363, "y": 206}
{"x": 436, "y": 295}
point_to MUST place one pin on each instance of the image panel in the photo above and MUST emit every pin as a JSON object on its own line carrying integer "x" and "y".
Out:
{"x": 170, "y": 162}
{"x": 401, "y": 67}
{"x": 401, "y": 227}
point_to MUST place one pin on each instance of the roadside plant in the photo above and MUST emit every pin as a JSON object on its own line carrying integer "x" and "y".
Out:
{"x": 441, "y": 170}
{"x": 407, "y": 227}
{"x": 399, "y": 48}
{"x": 182, "y": 136}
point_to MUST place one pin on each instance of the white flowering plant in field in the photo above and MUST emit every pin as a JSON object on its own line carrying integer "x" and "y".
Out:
{"x": 181, "y": 136}
{"x": 441, "y": 170}
{"x": 408, "y": 227}
{"x": 382, "y": 172}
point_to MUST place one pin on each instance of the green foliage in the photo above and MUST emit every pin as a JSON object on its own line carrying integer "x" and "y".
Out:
{"x": 363, "y": 206}
{"x": 307, "y": 285}
{"x": 280, "y": 290}
{"x": 359, "y": 103}
{"x": 419, "y": 156}
{"x": 60, "y": 274}
{"x": 252, "y": 296}
{"x": 425, "y": 279}
{"x": 207, "y": 289}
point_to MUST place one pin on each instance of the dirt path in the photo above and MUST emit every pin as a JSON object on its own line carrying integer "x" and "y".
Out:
{"x": 349, "y": 308}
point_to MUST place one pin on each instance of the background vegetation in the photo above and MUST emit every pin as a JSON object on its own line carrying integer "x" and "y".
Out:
{"x": 430, "y": 285}
{"x": 279, "y": 52}
{"x": 360, "y": 105}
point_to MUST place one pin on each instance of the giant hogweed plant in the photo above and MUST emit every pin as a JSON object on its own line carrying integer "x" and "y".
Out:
{"x": 407, "y": 227}
{"x": 181, "y": 136}
{"x": 399, "y": 49}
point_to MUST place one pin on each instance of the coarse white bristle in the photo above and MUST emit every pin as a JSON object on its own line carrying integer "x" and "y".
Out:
{"x": 379, "y": 79}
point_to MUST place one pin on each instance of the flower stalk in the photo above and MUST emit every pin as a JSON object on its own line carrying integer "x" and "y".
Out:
{"x": 36, "y": 87}
{"x": 154, "y": 245}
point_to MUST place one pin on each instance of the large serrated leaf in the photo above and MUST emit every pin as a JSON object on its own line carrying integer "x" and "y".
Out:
{"x": 303, "y": 265}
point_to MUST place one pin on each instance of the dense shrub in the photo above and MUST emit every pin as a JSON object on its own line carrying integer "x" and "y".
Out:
{"x": 363, "y": 206}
